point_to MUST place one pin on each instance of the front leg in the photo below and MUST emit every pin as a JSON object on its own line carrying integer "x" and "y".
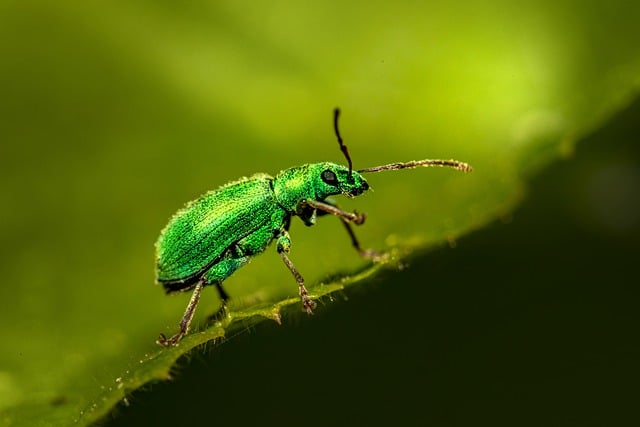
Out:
{"x": 284, "y": 246}
{"x": 364, "y": 253}
{"x": 304, "y": 206}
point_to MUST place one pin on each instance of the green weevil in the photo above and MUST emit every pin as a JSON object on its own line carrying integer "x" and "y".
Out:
{"x": 213, "y": 236}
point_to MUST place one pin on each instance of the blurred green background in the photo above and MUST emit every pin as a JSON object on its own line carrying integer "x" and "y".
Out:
{"x": 114, "y": 114}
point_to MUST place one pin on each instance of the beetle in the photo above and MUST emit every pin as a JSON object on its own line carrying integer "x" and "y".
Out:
{"x": 211, "y": 237}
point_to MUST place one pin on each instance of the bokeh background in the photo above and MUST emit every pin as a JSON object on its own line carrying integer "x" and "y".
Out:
{"x": 516, "y": 308}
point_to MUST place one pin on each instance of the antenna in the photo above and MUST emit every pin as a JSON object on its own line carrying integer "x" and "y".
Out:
{"x": 417, "y": 163}
{"x": 343, "y": 148}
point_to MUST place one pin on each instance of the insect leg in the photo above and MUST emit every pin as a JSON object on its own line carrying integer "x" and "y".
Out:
{"x": 284, "y": 246}
{"x": 224, "y": 296}
{"x": 365, "y": 253}
{"x": 186, "y": 318}
{"x": 354, "y": 217}
{"x": 222, "y": 310}
{"x": 217, "y": 274}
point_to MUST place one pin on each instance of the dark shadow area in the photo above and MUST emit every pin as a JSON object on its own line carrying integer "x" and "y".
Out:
{"x": 530, "y": 323}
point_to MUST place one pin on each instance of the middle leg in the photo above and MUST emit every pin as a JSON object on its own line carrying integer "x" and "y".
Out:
{"x": 365, "y": 253}
{"x": 284, "y": 246}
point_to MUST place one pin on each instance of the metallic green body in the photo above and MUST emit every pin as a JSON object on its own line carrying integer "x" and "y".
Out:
{"x": 213, "y": 236}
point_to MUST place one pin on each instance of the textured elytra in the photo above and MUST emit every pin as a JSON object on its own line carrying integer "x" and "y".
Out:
{"x": 199, "y": 234}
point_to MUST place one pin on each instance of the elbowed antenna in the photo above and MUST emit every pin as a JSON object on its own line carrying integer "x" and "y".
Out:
{"x": 417, "y": 163}
{"x": 343, "y": 148}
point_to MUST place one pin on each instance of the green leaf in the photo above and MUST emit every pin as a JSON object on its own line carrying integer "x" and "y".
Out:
{"x": 114, "y": 115}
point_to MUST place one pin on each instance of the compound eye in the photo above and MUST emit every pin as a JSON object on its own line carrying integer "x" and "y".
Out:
{"x": 329, "y": 177}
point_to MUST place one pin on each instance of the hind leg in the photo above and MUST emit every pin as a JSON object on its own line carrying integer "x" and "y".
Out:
{"x": 215, "y": 275}
{"x": 186, "y": 318}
